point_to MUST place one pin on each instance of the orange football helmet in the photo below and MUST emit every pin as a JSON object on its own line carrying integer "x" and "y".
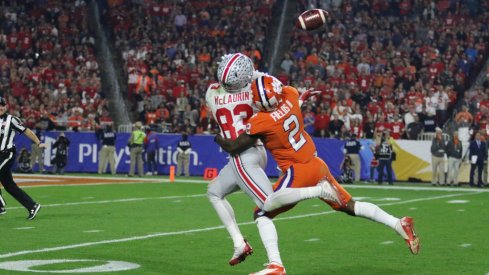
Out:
{"x": 267, "y": 92}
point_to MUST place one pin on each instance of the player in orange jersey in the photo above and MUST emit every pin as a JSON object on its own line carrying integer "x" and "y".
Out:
{"x": 280, "y": 126}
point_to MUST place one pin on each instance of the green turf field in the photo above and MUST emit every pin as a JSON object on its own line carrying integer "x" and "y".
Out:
{"x": 163, "y": 228}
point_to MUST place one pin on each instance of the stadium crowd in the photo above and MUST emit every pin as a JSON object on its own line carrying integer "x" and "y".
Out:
{"x": 169, "y": 71}
{"x": 380, "y": 65}
{"x": 397, "y": 65}
{"x": 48, "y": 70}
{"x": 387, "y": 64}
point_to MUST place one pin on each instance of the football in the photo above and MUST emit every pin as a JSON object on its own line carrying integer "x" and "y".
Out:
{"x": 311, "y": 19}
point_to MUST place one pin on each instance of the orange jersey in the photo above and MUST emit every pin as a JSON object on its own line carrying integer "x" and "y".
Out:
{"x": 282, "y": 131}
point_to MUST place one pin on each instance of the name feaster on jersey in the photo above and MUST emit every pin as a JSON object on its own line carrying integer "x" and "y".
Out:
{"x": 231, "y": 98}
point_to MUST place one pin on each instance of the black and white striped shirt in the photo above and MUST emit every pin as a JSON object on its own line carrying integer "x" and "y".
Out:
{"x": 9, "y": 124}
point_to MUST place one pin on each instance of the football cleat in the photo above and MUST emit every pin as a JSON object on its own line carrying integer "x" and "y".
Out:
{"x": 3, "y": 210}
{"x": 33, "y": 212}
{"x": 328, "y": 192}
{"x": 241, "y": 252}
{"x": 271, "y": 269}
{"x": 410, "y": 236}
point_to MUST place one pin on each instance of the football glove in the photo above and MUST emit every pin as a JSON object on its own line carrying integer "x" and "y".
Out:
{"x": 308, "y": 94}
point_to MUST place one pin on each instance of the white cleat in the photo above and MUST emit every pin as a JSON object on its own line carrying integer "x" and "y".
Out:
{"x": 240, "y": 253}
{"x": 328, "y": 192}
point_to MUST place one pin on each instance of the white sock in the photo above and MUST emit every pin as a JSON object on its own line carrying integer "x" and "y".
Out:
{"x": 226, "y": 214}
{"x": 268, "y": 234}
{"x": 288, "y": 196}
{"x": 373, "y": 212}
{"x": 2, "y": 202}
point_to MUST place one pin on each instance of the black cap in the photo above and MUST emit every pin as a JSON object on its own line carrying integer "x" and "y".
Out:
{"x": 3, "y": 102}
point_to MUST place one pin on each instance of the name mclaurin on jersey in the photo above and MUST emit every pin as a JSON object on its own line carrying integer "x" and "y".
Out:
{"x": 231, "y": 98}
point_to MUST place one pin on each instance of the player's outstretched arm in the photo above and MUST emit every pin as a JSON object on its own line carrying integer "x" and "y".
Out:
{"x": 236, "y": 146}
{"x": 306, "y": 95}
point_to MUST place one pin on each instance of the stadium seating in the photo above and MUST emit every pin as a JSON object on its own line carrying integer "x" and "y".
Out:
{"x": 388, "y": 56}
{"x": 169, "y": 49}
{"x": 48, "y": 68}
{"x": 375, "y": 59}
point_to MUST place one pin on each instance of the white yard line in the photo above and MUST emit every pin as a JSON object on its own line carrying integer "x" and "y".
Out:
{"x": 404, "y": 188}
{"x": 124, "y": 177}
{"x": 164, "y": 179}
{"x": 417, "y": 188}
{"x": 149, "y": 236}
{"x": 113, "y": 201}
{"x": 133, "y": 180}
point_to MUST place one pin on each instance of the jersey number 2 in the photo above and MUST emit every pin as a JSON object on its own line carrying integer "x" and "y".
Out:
{"x": 296, "y": 144}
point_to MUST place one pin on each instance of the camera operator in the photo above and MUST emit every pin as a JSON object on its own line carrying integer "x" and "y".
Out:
{"x": 61, "y": 157}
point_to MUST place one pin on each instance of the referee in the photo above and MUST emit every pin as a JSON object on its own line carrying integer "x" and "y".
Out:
{"x": 9, "y": 126}
{"x": 107, "y": 153}
{"x": 183, "y": 157}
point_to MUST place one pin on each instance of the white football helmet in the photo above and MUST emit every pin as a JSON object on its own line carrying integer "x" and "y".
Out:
{"x": 235, "y": 71}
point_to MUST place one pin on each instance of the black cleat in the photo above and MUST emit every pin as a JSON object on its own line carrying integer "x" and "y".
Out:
{"x": 33, "y": 212}
{"x": 3, "y": 210}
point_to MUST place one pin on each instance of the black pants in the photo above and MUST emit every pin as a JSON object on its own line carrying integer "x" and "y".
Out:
{"x": 388, "y": 165}
{"x": 480, "y": 166}
{"x": 6, "y": 160}
{"x": 151, "y": 161}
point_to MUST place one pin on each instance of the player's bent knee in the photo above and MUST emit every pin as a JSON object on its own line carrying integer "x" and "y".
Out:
{"x": 213, "y": 194}
{"x": 269, "y": 206}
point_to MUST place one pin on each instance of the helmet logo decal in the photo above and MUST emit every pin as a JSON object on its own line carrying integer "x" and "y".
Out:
{"x": 228, "y": 66}
{"x": 261, "y": 89}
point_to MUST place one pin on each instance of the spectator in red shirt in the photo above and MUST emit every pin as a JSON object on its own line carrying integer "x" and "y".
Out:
{"x": 180, "y": 90}
{"x": 381, "y": 125}
{"x": 150, "y": 116}
{"x": 321, "y": 122}
{"x": 397, "y": 128}
{"x": 356, "y": 128}
{"x": 75, "y": 120}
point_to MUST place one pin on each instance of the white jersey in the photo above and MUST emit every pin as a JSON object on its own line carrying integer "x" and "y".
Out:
{"x": 231, "y": 110}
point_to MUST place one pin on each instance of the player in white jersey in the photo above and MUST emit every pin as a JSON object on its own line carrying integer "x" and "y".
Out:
{"x": 230, "y": 101}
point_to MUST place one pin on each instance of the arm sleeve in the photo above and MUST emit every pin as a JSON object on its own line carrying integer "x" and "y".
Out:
{"x": 290, "y": 93}
{"x": 18, "y": 125}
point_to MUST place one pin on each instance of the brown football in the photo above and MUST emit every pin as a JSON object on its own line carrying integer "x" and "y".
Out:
{"x": 311, "y": 19}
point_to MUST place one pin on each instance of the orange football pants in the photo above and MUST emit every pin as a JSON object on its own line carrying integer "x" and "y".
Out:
{"x": 308, "y": 175}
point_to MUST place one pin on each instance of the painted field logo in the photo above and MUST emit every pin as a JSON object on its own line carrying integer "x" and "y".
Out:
{"x": 106, "y": 266}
